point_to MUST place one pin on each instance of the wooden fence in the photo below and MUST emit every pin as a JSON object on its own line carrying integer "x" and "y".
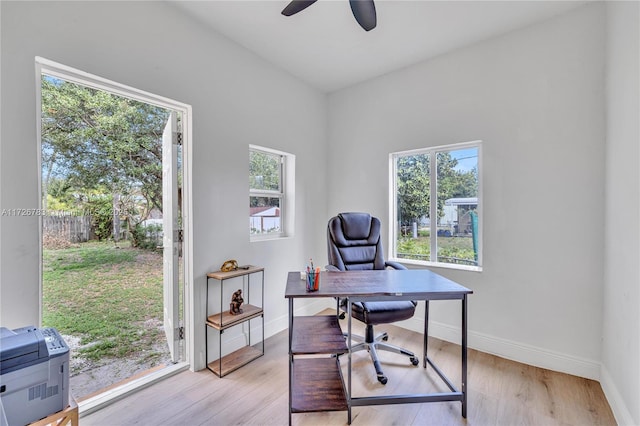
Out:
{"x": 75, "y": 229}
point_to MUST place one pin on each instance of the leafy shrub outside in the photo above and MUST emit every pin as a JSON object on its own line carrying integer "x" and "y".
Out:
{"x": 454, "y": 249}
{"x": 101, "y": 210}
{"x": 147, "y": 237}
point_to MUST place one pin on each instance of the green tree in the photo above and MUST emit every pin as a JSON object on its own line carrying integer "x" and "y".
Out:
{"x": 465, "y": 184}
{"x": 265, "y": 177}
{"x": 413, "y": 185}
{"x": 94, "y": 140}
{"x": 58, "y": 195}
{"x": 413, "y": 188}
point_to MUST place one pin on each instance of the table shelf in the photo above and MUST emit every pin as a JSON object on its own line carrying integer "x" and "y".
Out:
{"x": 316, "y": 382}
{"x": 317, "y": 335}
{"x": 317, "y": 385}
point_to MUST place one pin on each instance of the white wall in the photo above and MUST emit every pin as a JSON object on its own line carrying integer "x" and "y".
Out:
{"x": 621, "y": 342}
{"x": 237, "y": 99}
{"x": 535, "y": 97}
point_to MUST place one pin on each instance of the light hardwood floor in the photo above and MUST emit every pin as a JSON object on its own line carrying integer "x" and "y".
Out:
{"x": 501, "y": 392}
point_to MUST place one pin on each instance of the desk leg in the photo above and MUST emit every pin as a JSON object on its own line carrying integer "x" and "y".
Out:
{"x": 426, "y": 333}
{"x": 290, "y": 356}
{"x": 464, "y": 356}
{"x": 349, "y": 361}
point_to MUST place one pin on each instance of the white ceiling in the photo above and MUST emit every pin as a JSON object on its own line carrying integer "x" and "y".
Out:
{"x": 324, "y": 46}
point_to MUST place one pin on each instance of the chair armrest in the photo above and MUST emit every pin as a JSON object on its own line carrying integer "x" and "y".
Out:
{"x": 394, "y": 265}
{"x": 331, "y": 268}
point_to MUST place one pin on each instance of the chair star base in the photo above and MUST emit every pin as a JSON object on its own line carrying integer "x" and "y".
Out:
{"x": 373, "y": 344}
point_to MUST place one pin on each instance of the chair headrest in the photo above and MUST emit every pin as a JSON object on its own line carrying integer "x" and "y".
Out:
{"x": 353, "y": 242}
{"x": 356, "y": 226}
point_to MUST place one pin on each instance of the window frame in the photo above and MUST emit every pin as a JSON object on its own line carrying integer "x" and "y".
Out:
{"x": 433, "y": 206}
{"x": 285, "y": 194}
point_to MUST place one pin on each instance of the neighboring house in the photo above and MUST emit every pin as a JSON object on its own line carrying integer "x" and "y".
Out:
{"x": 456, "y": 214}
{"x": 264, "y": 219}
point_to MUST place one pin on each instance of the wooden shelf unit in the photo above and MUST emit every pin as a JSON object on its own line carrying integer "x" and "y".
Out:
{"x": 223, "y": 320}
{"x": 316, "y": 383}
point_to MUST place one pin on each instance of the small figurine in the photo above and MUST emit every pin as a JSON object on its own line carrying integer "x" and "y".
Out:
{"x": 236, "y": 302}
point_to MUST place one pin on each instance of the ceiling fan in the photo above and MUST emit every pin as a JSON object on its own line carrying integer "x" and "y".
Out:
{"x": 363, "y": 10}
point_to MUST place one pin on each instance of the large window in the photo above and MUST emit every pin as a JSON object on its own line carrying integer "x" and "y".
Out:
{"x": 436, "y": 206}
{"x": 270, "y": 193}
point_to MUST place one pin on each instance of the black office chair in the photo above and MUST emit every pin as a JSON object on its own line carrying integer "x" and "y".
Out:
{"x": 354, "y": 244}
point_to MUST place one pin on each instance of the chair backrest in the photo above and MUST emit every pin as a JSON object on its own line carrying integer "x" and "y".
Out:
{"x": 353, "y": 242}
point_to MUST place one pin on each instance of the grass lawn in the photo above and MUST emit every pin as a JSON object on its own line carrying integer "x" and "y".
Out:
{"x": 109, "y": 297}
{"x": 450, "y": 249}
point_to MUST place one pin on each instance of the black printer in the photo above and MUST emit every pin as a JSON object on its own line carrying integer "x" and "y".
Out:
{"x": 34, "y": 374}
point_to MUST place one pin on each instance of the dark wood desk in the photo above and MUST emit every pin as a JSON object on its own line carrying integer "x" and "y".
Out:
{"x": 357, "y": 286}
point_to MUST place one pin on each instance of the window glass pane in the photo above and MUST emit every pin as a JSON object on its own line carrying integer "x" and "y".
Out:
{"x": 264, "y": 171}
{"x": 436, "y": 205}
{"x": 264, "y": 215}
{"x": 457, "y": 194}
{"x": 412, "y": 207}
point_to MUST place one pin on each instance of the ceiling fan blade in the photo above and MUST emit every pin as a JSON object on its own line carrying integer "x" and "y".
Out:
{"x": 296, "y": 6}
{"x": 365, "y": 13}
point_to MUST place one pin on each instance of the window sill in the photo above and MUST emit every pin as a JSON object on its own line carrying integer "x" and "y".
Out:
{"x": 410, "y": 262}
{"x": 256, "y": 239}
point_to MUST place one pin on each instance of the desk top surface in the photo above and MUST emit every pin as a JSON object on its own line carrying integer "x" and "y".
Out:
{"x": 412, "y": 283}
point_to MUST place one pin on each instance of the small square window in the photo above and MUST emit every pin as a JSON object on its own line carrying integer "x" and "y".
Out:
{"x": 270, "y": 193}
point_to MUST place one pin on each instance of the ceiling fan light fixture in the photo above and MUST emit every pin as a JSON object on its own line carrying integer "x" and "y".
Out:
{"x": 297, "y": 6}
{"x": 363, "y": 10}
{"x": 365, "y": 13}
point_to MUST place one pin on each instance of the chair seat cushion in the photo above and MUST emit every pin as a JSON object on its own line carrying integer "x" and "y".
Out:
{"x": 382, "y": 312}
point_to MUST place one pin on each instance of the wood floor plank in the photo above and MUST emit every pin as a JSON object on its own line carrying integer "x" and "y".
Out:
{"x": 501, "y": 392}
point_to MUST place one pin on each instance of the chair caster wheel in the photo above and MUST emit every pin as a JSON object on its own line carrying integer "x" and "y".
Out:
{"x": 382, "y": 379}
{"x": 342, "y": 315}
{"x": 414, "y": 360}
{"x": 385, "y": 337}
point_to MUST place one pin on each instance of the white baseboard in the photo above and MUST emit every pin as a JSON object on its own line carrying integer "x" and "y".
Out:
{"x": 614, "y": 398}
{"x": 514, "y": 351}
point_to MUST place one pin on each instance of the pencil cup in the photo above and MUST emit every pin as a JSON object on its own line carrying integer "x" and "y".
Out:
{"x": 313, "y": 280}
